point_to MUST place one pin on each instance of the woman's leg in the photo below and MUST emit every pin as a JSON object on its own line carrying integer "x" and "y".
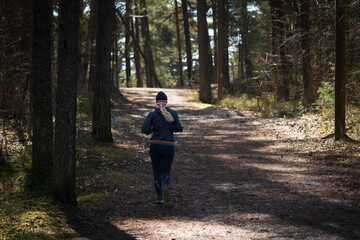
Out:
{"x": 155, "y": 154}
{"x": 166, "y": 162}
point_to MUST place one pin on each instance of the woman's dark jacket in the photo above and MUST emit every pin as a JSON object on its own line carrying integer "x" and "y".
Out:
{"x": 162, "y": 129}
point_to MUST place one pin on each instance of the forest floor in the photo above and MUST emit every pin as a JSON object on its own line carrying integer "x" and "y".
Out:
{"x": 235, "y": 176}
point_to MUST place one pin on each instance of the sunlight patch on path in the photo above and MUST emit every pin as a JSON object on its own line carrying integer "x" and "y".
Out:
{"x": 184, "y": 229}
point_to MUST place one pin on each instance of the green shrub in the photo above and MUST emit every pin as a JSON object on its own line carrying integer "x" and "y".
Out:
{"x": 326, "y": 102}
{"x": 265, "y": 105}
{"x": 84, "y": 108}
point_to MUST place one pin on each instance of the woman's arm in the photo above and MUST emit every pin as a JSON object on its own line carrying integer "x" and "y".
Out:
{"x": 177, "y": 125}
{"x": 146, "y": 127}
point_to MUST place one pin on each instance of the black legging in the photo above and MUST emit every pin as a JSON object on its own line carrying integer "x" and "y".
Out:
{"x": 161, "y": 158}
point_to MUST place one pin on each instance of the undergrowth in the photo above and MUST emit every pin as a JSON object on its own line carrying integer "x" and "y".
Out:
{"x": 319, "y": 122}
{"x": 23, "y": 215}
{"x": 265, "y": 105}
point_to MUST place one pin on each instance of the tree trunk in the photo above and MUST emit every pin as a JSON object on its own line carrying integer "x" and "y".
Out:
{"x": 241, "y": 73}
{"x": 114, "y": 53}
{"x": 84, "y": 48}
{"x": 65, "y": 125}
{"x": 318, "y": 46}
{"x": 135, "y": 33}
{"x": 41, "y": 97}
{"x": 180, "y": 68}
{"x": 150, "y": 65}
{"x": 285, "y": 74}
{"x": 210, "y": 57}
{"x": 245, "y": 41}
{"x": 340, "y": 69}
{"x": 147, "y": 50}
{"x": 117, "y": 71}
{"x": 127, "y": 43}
{"x": 93, "y": 31}
{"x": 274, "y": 73}
{"x": 221, "y": 48}
{"x": 204, "y": 78}
{"x": 187, "y": 39}
{"x": 15, "y": 52}
{"x": 101, "y": 125}
{"x": 214, "y": 7}
{"x": 226, "y": 78}
{"x": 280, "y": 66}
{"x": 309, "y": 96}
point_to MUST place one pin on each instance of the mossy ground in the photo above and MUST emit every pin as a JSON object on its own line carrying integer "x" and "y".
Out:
{"x": 24, "y": 215}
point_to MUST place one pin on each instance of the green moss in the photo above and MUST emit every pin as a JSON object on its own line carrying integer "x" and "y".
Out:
{"x": 32, "y": 218}
{"x": 92, "y": 199}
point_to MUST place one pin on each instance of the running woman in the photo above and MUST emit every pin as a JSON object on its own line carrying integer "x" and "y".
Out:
{"x": 162, "y": 122}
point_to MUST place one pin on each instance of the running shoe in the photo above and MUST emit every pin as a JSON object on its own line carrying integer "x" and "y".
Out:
{"x": 160, "y": 200}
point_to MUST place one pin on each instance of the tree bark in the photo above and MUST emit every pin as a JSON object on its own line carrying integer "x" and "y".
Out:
{"x": 309, "y": 96}
{"x": 204, "y": 78}
{"x": 114, "y": 50}
{"x": 41, "y": 97}
{"x": 214, "y": 7}
{"x": 135, "y": 33}
{"x": 127, "y": 43}
{"x": 147, "y": 49}
{"x": 93, "y": 31}
{"x": 65, "y": 125}
{"x": 226, "y": 80}
{"x": 245, "y": 41}
{"x": 221, "y": 48}
{"x": 101, "y": 125}
{"x": 340, "y": 69}
{"x": 281, "y": 74}
{"x": 147, "y": 64}
{"x": 180, "y": 68}
{"x": 187, "y": 39}
{"x": 241, "y": 73}
{"x": 274, "y": 73}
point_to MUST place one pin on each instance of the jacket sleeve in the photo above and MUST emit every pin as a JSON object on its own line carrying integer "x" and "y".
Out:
{"x": 146, "y": 127}
{"x": 177, "y": 125}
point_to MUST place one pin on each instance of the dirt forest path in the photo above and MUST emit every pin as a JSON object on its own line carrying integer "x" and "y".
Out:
{"x": 233, "y": 177}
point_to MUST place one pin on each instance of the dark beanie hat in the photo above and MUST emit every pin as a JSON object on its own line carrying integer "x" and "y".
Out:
{"x": 161, "y": 96}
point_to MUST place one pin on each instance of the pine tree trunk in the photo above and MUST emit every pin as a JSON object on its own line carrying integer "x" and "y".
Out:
{"x": 214, "y": 8}
{"x": 180, "y": 68}
{"x": 221, "y": 49}
{"x": 226, "y": 80}
{"x": 245, "y": 41}
{"x": 340, "y": 69}
{"x": 275, "y": 7}
{"x": 93, "y": 31}
{"x": 204, "y": 77}
{"x": 116, "y": 56}
{"x": 127, "y": 43}
{"x": 65, "y": 125}
{"x": 41, "y": 97}
{"x": 135, "y": 32}
{"x": 101, "y": 125}
{"x": 241, "y": 73}
{"x": 187, "y": 39}
{"x": 146, "y": 36}
{"x": 210, "y": 57}
{"x": 309, "y": 96}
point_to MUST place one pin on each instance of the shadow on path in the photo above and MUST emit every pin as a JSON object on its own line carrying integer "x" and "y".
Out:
{"x": 94, "y": 226}
{"x": 230, "y": 171}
